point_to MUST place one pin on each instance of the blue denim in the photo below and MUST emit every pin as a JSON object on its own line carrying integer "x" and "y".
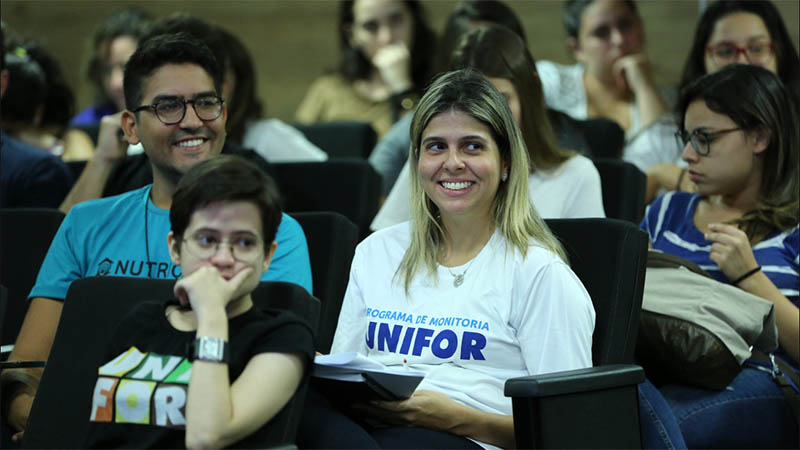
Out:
{"x": 751, "y": 412}
{"x": 658, "y": 426}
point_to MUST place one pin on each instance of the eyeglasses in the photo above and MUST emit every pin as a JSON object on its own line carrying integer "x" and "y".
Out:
{"x": 728, "y": 52}
{"x": 243, "y": 248}
{"x": 172, "y": 110}
{"x": 701, "y": 140}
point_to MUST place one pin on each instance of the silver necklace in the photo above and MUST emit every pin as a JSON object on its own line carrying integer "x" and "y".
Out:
{"x": 458, "y": 280}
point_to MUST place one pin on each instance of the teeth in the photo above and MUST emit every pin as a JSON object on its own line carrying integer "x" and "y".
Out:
{"x": 190, "y": 143}
{"x": 456, "y": 186}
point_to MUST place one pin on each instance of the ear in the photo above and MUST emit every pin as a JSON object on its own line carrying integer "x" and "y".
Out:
{"x": 574, "y": 48}
{"x": 269, "y": 255}
{"x": 129, "y": 126}
{"x": 762, "y": 138}
{"x": 174, "y": 249}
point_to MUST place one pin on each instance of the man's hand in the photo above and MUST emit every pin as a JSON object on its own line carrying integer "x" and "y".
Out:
{"x": 394, "y": 65}
{"x": 731, "y": 250}
{"x": 111, "y": 143}
{"x": 206, "y": 290}
{"x": 427, "y": 409}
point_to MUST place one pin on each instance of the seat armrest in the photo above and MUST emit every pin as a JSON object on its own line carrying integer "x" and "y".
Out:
{"x": 596, "y": 407}
{"x": 574, "y": 381}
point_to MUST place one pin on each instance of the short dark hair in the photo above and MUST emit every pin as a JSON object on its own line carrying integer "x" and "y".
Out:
{"x": 132, "y": 22}
{"x": 757, "y": 101}
{"x": 573, "y": 10}
{"x": 226, "y": 178}
{"x": 786, "y": 57}
{"x": 160, "y": 51}
{"x": 27, "y": 88}
{"x": 355, "y": 66}
{"x": 59, "y": 103}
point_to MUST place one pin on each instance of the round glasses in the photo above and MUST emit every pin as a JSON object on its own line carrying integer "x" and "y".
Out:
{"x": 172, "y": 110}
{"x": 245, "y": 248}
{"x": 701, "y": 140}
{"x": 728, "y": 52}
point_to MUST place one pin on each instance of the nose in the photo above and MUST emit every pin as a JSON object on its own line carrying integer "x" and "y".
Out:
{"x": 741, "y": 57}
{"x": 617, "y": 37}
{"x": 224, "y": 255}
{"x": 454, "y": 161}
{"x": 385, "y": 35}
{"x": 190, "y": 119}
{"x": 689, "y": 154}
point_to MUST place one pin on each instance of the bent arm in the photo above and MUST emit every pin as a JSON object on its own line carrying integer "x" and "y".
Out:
{"x": 787, "y": 315}
{"x": 495, "y": 429}
{"x": 33, "y": 344}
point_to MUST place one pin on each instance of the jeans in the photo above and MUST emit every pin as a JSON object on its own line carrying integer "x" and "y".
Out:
{"x": 658, "y": 426}
{"x": 751, "y": 412}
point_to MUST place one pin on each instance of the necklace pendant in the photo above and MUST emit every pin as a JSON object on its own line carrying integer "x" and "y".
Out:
{"x": 458, "y": 280}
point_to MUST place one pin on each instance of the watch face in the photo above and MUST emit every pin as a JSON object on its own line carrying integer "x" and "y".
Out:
{"x": 210, "y": 348}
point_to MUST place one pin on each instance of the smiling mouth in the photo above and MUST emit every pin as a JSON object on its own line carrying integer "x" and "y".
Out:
{"x": 456, "y": 185}
{"x": 190, "y": 142}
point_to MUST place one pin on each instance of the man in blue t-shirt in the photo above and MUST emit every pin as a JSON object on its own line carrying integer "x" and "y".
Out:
{"x": 172, "y": 86}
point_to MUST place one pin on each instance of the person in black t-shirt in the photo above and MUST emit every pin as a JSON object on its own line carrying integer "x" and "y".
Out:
{"x": 244, "y": 364}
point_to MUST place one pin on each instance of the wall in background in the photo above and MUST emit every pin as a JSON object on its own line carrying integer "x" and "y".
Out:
{"x": 294, "y": 41}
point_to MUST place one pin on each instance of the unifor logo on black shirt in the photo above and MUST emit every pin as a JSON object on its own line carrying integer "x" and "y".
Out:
{"x": 138, "y": 268}
{"x": 143, "y": 388}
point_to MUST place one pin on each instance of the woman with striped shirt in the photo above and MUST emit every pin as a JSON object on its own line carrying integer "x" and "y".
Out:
{"x": 740, "y": 139}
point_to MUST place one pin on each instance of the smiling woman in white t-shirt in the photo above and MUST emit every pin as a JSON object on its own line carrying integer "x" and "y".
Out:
{"x": 473, "y": 291}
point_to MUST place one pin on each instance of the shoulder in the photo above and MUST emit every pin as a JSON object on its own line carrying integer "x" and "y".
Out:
{"x": 580, "y": 164}
{"x": 114, "y": 206}
{"x": 289, "y": 226}
{"x": 555, "y": 73}
{"x": 392, "y": 240}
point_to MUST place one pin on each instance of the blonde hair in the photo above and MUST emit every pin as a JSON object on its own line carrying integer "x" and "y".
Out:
{"x": 513, "y": 214}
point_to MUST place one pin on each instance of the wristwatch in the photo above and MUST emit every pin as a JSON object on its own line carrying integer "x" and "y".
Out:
{"x": 211, "y": 349}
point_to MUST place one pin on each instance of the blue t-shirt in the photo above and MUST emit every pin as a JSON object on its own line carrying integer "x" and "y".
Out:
{"x": 669, "y": 221}
{"x": 126, "y": 235}
{"x": 92, "y": 115}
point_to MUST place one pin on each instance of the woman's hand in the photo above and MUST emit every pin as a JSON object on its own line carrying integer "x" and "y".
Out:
{"x": 633, "y": 72}
{"x": 111, "y": 142}
{"x": 731, "y": 250}
{"x": 206, "y": 289}
{"x": 427, "y": 409}
{"x": 394, "y": 65}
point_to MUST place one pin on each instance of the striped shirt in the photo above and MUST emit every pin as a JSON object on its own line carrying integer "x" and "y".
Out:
{"x": 669, "y": 221}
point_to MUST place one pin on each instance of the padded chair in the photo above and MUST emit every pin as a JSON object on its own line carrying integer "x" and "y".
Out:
{"x": 595, "y": 407}
{"x": 94, "y": 306}
{"x": 25, "y": 236}
{"x": 624, "y": 188}
{"x": 349, "y": 187}
{"x": 341, "y": 139}
{"x": 332, "y": 240}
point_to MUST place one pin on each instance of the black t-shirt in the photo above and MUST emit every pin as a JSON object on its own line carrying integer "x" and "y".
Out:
{"x": 139, "y": 398}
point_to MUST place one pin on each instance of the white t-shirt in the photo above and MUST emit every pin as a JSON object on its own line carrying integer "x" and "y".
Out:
{"x": 278, "y": 142}
{"x": 572, "y": 190}
{"x": 644, "y": 146}
{"x": 511, "y": 317}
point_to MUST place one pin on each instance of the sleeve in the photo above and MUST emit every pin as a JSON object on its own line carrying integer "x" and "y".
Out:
{"x": 654, "y": 144}
{"x": 48, "y": 182}
{"x": 286, "y": 333}
{"x": 312, "y": 107}
{"x": 290, "y": 262}
{"x": 587, "y": 193}
{"x": 278, "y": 142}
{"x": 391, "y": 153}
{"x": 351, "y": 328}
{"x": 554, "y": 318}
{"x": 63, "y": 264}
{"x": 650, "y": 222}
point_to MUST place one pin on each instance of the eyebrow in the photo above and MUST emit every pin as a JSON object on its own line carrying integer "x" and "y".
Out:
{"x": 232, "y": 233}
{"x": 470, "y": 137}
{"x": 171, "y": 97}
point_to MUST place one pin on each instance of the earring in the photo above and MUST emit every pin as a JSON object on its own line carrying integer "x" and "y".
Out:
{"x": 505, "y": 176}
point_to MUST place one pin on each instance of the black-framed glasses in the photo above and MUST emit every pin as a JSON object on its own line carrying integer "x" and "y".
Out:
{"x": 244, "y": 248}
{"x": 172, "y": 110}
{"x": 727, "y": 52}
{"x": 701, "y": 140}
